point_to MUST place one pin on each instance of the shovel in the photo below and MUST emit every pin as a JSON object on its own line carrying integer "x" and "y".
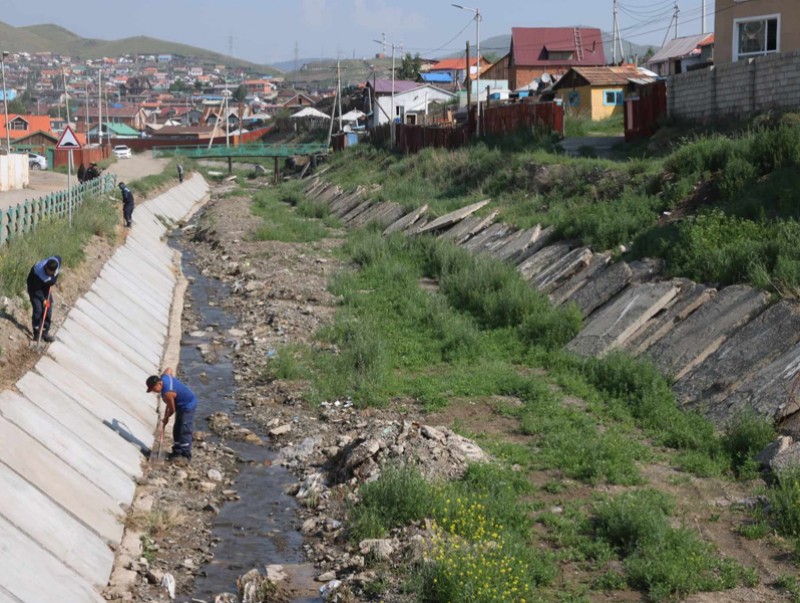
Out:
{"x": 44, "y": 318}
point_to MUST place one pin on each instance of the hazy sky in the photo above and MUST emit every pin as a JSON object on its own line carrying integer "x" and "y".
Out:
{"x": 266, "y": 31}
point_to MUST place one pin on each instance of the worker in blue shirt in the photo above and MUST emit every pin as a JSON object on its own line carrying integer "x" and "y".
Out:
{"x": 127, "y": 204}
{"x": 41, "y": 279}
{"x": 180, "y": 401}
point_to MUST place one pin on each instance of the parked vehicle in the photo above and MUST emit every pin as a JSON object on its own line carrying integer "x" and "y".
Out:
{"x": 122, "y": 151}
{"x": 37, "y": 162}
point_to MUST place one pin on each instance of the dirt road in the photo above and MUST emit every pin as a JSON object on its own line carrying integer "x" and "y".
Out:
{"x": 44, "y": 182}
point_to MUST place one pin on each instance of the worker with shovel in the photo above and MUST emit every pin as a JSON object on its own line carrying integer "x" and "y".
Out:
{"x": 41, "y": 279}
{"x": 180, "y": 401}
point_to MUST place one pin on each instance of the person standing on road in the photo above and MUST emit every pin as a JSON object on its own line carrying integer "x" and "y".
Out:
{"x": 180, "y": 401}
{"x": 127, "y": 204}
{"x": 81, "y": 173}
{"x": 41, "y": 279}
{"x": 180, "y": 173}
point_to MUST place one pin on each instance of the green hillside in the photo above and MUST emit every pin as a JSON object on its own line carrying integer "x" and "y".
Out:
{"x": 56, "y": 39}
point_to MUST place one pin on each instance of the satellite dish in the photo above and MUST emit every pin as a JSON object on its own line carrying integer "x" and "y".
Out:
{"x": 545, "y": 77}
{"x": 753, "y": 29}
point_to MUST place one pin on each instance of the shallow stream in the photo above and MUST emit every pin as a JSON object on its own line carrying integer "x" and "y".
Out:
{"x": 258, "y": 529}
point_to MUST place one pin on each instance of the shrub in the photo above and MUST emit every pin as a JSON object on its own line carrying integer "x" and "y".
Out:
{"x": 746, "y": 436}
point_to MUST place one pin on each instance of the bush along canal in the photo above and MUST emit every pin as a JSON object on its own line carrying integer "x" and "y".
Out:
{"x": 255, "y": 529}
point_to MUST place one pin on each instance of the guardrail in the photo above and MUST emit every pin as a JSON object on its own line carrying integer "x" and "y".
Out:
{"x": 24, "y": 217}
{"x": 245, "y": 150}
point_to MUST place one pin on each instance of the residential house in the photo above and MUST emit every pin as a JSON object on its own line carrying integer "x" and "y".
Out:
{"x": 683, "y": 54}
{"x": 135, "y": 117}
{"x": 412, "y": 101}
{"x": 552, "y": 50}
{"x": 290, "y": 99}
{"x": 754, "y": 28}
{"x": 599, "y": 92}
{"x": 113, "y": 130}
{"x": 24, "y": 126}
{"x": 456, "y": 69}
{"x": 261, "y": 88}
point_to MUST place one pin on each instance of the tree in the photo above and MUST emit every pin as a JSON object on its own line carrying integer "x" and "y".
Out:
{"x": 177, "y": 86}
{"x": 240, "y": 94}
{"x": 647, "y": 56}
{"x": 409, "y": 67}
{"x": 17, "y": 106}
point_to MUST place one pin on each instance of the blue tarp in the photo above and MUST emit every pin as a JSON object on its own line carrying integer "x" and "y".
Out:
{"x": 437, "y": 78}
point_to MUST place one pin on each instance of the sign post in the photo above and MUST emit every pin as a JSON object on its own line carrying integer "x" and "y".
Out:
{"x": 69, "y": 142}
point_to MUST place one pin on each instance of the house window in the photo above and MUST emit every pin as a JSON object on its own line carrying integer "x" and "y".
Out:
{"x": 573, "y": 99}
{"x": 18, "y": 124}
{"x": 613, "y": 98}
{"x": 756, "y": 37}
{"x": 560, "y": 55}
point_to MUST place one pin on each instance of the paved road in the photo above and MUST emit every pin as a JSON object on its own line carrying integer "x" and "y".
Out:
{"x": 45, "y": 182}
{"x": 602, "y": 146}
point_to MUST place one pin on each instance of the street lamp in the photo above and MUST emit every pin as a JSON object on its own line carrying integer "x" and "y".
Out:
{"x": 5, "y": 99}
{"x": 477, "y": 12}
{"x": 392, "y": 116}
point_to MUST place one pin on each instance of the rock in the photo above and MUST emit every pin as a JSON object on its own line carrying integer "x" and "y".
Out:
{"x": 766, "y": 457}
{"x": 214, "y": 475}
{"x": 207, "y": 486}
{"x": 380, "y": 549}
{"x": 326, "y": 577}
{"x": 431, "y": 433}
{"x": 283, "y": 429}
{"x": 189, "y": 563}
{"x": 154, "y": 576}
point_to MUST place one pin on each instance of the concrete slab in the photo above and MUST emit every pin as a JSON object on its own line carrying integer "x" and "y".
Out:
{"x": 562, "y": 270}
{"x": 703, "y": 332}
{"x": 100, "y": 405}
{"x": 160, "y": 253}
{"x": 160, "y": 265}
{"x": 149, "y": 333}
{"x": 543, "y": 240}
{"x": 405, "y": 221}
{"x": 493, "y": 233}
{"x": 543, "y": 259}
{"x": 86, "y": 426}
{"x": 613, "y": 324}
{"x": 30, "y": 573}
{"x": 85, "y": 341}
{"x": 111, "y": 335}
{"x": 691, "y": 297}
{"x": 517, "y": 244}
{"x": 448, "y": 220}
{"x": 772, "y": 393}
{"x": 125, "y": 297}
{"x": 155, "y": 291}
{"x": 598, "y": 263}
{"x": 329, "y": 193}
{"x": 145, "y": 297}
{"x": 55, "y": 530}
{"x": 490, "y": 246}
{"x": 130, "y": 397}
{"x": 343, "y": 205}
{"x": 62, "y": 442}
{"x": 381, "y": 213}
{"x": 601, "y": 288}
{"x": 752, "y": 347}
{"x": 357, "y": 210}
{"x": 60, "y": 482}
{"x": 645, "y": 270}
{"x": 468, "y": 227}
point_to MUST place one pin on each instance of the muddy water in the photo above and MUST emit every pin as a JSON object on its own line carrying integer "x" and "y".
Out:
{"x": 256, "y": 530}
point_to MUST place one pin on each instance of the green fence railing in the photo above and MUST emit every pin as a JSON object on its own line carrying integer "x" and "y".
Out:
{"x": 244, "y": 150}
{"x": 24, "y": 217}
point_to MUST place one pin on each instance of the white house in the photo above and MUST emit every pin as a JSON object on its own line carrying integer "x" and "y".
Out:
{"x": 412, "y": 100}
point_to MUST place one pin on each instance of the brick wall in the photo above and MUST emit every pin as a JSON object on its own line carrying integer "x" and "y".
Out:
{"x": 742, "y": 88}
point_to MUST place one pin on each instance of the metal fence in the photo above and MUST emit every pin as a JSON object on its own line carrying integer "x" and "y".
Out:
{"x": 24, "y": 217}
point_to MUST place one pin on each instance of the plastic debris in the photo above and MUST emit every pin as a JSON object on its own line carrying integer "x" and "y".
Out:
{"x": 168, "y": 582}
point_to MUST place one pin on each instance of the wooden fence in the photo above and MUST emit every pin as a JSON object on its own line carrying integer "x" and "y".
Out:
{"x": 500, "y": 120}
{"x": 24, "y": 217}
{"x": 643, "y": 113}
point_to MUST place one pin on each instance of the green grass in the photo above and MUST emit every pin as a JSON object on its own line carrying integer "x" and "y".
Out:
{"x": 578, "y": 124}
{"x": 282, "y": 223}
{"x": 55, "y": 237}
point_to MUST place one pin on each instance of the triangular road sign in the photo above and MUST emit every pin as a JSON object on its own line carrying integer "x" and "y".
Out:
{"x": 68, "y": 140}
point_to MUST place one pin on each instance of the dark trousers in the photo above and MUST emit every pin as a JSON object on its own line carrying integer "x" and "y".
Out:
{"x": 127, "y": 213}
{"x": 38, "y": 297}
{"x": 182, "y": 432}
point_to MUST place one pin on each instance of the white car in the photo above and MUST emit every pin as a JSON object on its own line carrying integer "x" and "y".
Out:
{"x": 122, "y": 151}
{"x": 37, "y": 162}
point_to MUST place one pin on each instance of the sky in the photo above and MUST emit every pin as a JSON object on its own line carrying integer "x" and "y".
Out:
{"x": 268, "y": 31}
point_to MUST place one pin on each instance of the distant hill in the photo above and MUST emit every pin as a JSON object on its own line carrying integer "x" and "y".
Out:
{"x": 498, "y": 46}
{"x": 56, "y": 39}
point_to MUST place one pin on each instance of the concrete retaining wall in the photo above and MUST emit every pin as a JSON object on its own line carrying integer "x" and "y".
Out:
{"x": 728, "y": 350}
{"x": 74, "y": 428}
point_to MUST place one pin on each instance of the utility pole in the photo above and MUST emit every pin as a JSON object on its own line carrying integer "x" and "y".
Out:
{"x": 66, "y": 98}
{"x": 100, "y": 106}
{"x": 391, "y": 126}
{"x": 615, "y": 33}
{"x": 339, "y": 91}
{"x": 469, "y": 89}
{"x": 677, "y": 12}
{"x": 704, "y": 18}
{"x": 383, "y": 38}
{"x": 296, "y": 63}
{"x": 477, "y": 12}
{"x": 86, "y": 121}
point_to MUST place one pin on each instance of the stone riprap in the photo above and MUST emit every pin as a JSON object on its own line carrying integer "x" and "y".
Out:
{"x": 76, "y": 429}
{"x": 599, "y": 289}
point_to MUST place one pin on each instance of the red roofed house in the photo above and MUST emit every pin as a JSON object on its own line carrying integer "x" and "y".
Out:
{"x": 552, "y": 50}
{"x": 457, "y": 68}
{"x": 22, "y": 126}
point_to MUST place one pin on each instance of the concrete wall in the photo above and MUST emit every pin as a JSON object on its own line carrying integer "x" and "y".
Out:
{"x": 74, "y": 428}
{"x": 745, "y": 87}
{"x": 14, "y": 174}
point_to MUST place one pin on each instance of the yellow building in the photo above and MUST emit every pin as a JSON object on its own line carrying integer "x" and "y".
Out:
{"x": 751, "y": 29}
{"x": 599, "y": 92}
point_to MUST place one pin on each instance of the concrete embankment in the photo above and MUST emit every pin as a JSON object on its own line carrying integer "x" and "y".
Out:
{"x": 76, "y": 428}
{"x": 727, "y": 350}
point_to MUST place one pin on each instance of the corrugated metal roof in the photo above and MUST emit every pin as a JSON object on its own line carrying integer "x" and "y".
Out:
{"x": 529, "y": 45}
{"x": 607, "y": 76}
{"x": 679, "y": 47}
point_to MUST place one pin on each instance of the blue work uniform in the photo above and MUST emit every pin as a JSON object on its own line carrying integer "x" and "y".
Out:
{"x": 39, "y": 284}
{"x": 185, "y": 406}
